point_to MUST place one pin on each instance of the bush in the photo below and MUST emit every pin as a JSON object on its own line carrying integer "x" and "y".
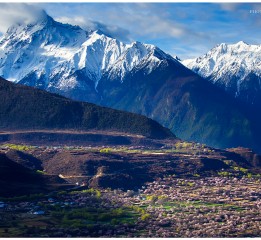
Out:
{"x": 138, "y": 209}
{"x": 104, "y": 216}
{"x": 224, "y": 174}
{"x": 145, "y": 216}
{"x": 90, "y": 191}
{"x": 191, "y": 184}
{"x": 61, "y": 193}
{"x": 114, "y": 221}
{"x": 106, "y": 150}
{"x": 152, "y": 198}
{"x": 40, "y": 172}
{"x": 249, "y": 175}
{"x": 196, "y": 175}
{"x": 243, "y": 170}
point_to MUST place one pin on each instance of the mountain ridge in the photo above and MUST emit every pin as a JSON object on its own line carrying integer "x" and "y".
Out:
{"x": 176, "y": 97}
{"x": 67, "y": 47}
{"x": 23, "y": 107}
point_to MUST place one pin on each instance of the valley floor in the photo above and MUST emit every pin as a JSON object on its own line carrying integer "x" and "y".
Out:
{"x": 167, "y": 207}
{"x": 141, "y": 189}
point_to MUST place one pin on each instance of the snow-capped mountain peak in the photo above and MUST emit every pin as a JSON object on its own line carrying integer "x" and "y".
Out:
{"x": 49, "y": 54}
{"x": 238, "y": 59}
{"x": 45, "y": 27}
{"x": 236, "y": 67}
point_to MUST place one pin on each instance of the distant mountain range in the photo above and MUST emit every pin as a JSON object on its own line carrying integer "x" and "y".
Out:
{"x": 23, "y": 107}
{"x": 234, "y": 67}
{"x": 136, "y": 77}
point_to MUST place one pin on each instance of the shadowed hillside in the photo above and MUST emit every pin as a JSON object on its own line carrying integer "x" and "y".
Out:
{"x": 193, "y": 108}
{"x": 16, "y": 179}
{"x": 24, "y": 107}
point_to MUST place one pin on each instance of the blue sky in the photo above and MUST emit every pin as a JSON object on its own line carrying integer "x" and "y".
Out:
{"x": 183, "y": 29}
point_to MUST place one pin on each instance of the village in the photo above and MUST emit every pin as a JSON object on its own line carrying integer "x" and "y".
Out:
{"x": 167, "y": 207}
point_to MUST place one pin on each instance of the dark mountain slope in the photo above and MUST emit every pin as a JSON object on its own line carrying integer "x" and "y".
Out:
{"x": 16, "y": 179}
{"x": 190, "y": 106}
{"x": 23, "y": 107}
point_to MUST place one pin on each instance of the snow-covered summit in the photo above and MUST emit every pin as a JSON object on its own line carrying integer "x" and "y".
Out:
{"x": 49, "y": 54}
{"x": 237, "y": 59}
{"x": 234, "y": 67}
{"x": 37, "y": 47}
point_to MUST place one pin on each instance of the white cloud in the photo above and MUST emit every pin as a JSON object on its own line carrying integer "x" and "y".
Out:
{"x": 12, "y": 13}
{"x": 128, "y": 22}
{"x": 88, "y": 24}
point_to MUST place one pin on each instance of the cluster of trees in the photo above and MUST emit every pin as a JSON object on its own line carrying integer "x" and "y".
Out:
{"x": 23, "y": 197}
{"x": 81, "y": 217}
{"x": 18, "y": 147}
{"x": 91, "y": 191}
